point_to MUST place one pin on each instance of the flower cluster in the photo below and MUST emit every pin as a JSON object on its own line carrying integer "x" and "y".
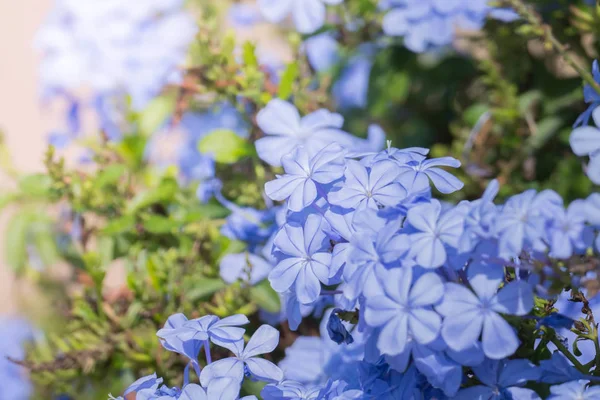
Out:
{"x": 430, "y": 24}
{"x": 113, "y": 48}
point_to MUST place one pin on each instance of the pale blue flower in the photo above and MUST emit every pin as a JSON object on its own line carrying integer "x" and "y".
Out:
{"x": 245, "y": 362}
{"x": 502, "y": 380}
{"x": 468, "y": 315}
{"x": 415, "y": 174}
{"x": 434, "y": 232}
{"x": 585, "y": 141}
{"x": 575, "y": 390}
{"x": 368, "y": 187}
{"x": 308, "y": 15}
{"x": 303, "y": 174}
{"x": 405, "y": 309}
{"x": 284, "y": 130}
{"x": 305, "y": 260}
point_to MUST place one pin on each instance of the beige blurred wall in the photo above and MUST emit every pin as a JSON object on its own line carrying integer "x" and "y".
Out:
{"x": 21, "y": 118}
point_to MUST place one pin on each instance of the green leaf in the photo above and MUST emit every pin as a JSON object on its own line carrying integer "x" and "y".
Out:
{"x": 156, "y": 113}
{"x": 249, "y": 54}
{"x": 204, "y": 288}
{"x": 119, "y": 225}
{"x": 110, "y": 175}
{"x": 15, "y": 245}
{"x": 225, "y": 145}
{"x": 159, "y": 224}
{"x": 265, "y": 297}
{"x": 163, "y": 193}
{"x": 36, "y": 185}
{"x": 288, "y": 78}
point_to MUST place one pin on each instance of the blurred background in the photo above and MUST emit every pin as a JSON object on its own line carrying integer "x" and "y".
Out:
{"x": 23, "y": 120}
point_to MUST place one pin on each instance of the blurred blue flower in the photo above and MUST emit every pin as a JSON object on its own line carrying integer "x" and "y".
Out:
{"x": 431, "y": 24}
{"x": 585, "y": 141}
{"x": 308, "y": 15}
{"x": 590, "y": 96}
{"x": 575, "y": 390}
{"x": 14, "y": 333}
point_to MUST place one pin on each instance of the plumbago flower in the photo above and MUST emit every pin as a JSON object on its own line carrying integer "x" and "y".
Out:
{"x": 468, "y": 315}
{"x": 430, "y": 24}
{"x": 245, "y": 362}
{"x": 304, "y": 259}
{"x": 308, "y": 15}
{"x": 585, "y": 141}
{"x": 303, "y": 174}
{"x": 405, "y": 309}
{"x": 114, "y": 48}
{"x": 284, "y": 130}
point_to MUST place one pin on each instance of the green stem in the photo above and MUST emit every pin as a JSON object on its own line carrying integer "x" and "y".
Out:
{"x": 597, "y": 346}
{"x": 561, "y": 347}
{"x": 544, "y": 32}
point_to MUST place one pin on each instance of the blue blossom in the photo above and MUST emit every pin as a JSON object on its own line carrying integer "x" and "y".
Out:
{"x": 434, "y": 231}
{"x": 245, "y": 362}
{"x": 305, "y": 260}
{"x": 591, "y": 97}
{"x": 431, "y": 24}
{"x": 416, "y": 173}
{"x": 369, "y": 255}
{"x": 575, "y": 390}
{"x": 284, "y": 130}
{"x": 585, "y": 141}
{"x": 322, "y": 51}
{"x": 244, "y": 15}
{"x": 522, "y": 221}
{"x": 303, "y": 174}
{"x": 14, "y": 333}
{"x": 566, "y": 231}
{"x": 368, "y": 187}
{"x": 502, "y": 380}
{"x": 351, "y": 89}
{"x": 468, "y": 315}
{"x": 558, "y": 369}
{"x": 405, "y": 309}
{"x": 113, "y": 47}
{"x": 308, "y": 15}
{"x": 290, "y": 390}
{"x": 336, "y": 329}
{"x": 245, "y": 266}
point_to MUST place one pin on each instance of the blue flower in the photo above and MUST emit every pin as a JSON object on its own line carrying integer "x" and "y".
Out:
{"x": 591, "y": 97}
{"x": 434, "y": 231}
{"x": 585, "y": 141}
{"x": 431, "y": 24}
{"x": 336, "y": 329}
{"x": 308, "y": 15}
{"x": 245, "y": 266}
{"x": 405, "y": 309}
{"x": 304, "y": 173}
{"x": 522, "y": 220}
{"x": 290, "y": 390}
{"x": 566, "y": 231}
{"x": 13, "y": 335}
{"x": 322, "y": 51}
{"x": 468, "y": 315}
{"x": 351, "y": 89}
{"x": 575, "y": 390}
{"x": 368, "y": 187}
{"x": 305, "y": 260}
{"x": 245, "y": 362}
{"x": 502, "y": 380}
{"x": 369, "y": 255}
{"x": 415, "y": 173}
{"x": 284, "y": 130}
